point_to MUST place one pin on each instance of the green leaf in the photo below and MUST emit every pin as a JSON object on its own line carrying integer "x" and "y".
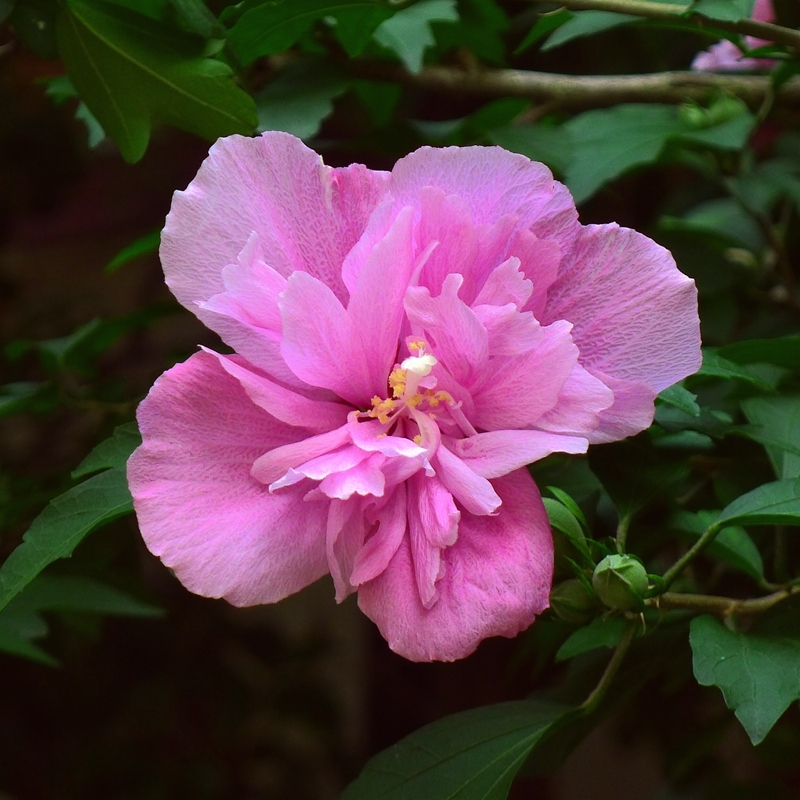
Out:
{"x": 681, "y": 399}
{"x": 473, "y": 755}
{"x": 133, "y": 72}
{"x": 715, "y": 366}
{"x": 112, "y": 453}
{"x": 408, "y": 33}
{"x": 780, "y": 418}
{"x": 784, "y": 352}
{"x": 545, "y": 24}
{"x": 17, "y": 628}
{"x": 608, "y": 142}
{"x": 272, "y": 27}
{"x": 586, "y": 23}
{"x": 142, "y": 246}
{"x": 732, "y": 544}
{"x": 728, "y": 10}
{"x": 562, "y": 519}
{"x": 72, "y": 593}
{"x": 300, "y": 98}
{"x": 62, "y": 526}
{"x": 355, "y": 26}
{"x": 776, "y": 503}
{"x": 633, "y": 473}
{"x": 598, "y": 633}
{"x": 194, "y": 17}
{"x": 730, "y": 134}
{"x": 538, "y": 142}
{"x": 759, "y": 676}
{"x": 724, "y": 217}
{"x": 25, "y": 396}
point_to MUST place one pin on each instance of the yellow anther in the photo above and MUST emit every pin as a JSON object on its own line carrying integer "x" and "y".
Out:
{"x": 414, "y": 401}
{"x": 416, "y": 346}
{"x": 397, "y": 381}
{"x": 418, "y": 439}
{"x": 376, "y": 401}
{"x": 444, "y": 397}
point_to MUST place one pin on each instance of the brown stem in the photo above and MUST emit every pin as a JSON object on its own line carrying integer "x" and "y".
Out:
{"x": 723, "y": 606}
{"x": 580, "y": 91}
{"x": 668, "y": 11}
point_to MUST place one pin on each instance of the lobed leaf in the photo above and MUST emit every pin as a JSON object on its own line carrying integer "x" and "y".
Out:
{"x": 133, "y": 72}
{"x": 759, "y": 676}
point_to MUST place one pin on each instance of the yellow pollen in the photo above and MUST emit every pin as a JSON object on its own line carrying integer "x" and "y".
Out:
{"x": 416, "y": 346}
{"x": 397, "y": 381}
{"x": 414, "y": 401}
{"x": 418, "y": 439}
{"x": 382, "y": 408}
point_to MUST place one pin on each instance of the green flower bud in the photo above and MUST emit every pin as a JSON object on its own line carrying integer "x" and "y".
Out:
{"x": 572, "y": 602}
{"x": 620, "y": 582}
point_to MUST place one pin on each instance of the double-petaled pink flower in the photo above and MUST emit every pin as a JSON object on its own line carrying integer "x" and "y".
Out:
{"x": 406, "y": 343}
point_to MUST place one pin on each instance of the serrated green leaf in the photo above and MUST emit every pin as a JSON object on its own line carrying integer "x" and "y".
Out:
{"x": 586, "y": 23}
{"x": 469, "y": 756}
{"x": 263, "y": 28}
{"x": 538, "y": 142}
{"x": 780, "y": 418}
{"x": 598, "y": 633}
{"x": 759, "y": 676}
{"x": 715, "y": 366}
{"x": 133, "y": 72}
{"x": 408, "y": 33}
{"x": 544, "y": 25}
{"x": 776, "y": 503}
{"x": 112, "y": 453}
{"x": 60, "y": 528}
{"x": 784, "y": 352}
{"x": 608, "y": 142}
{"x": 681, "y": 398}
{"x": 728, "y": 10}
{"x": 300, "y": 98}
{"x": 140, "y": 247}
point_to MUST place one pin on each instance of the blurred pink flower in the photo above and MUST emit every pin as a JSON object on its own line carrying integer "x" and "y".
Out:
{"x": 725, "y": 56}
{"x": 406, "y": 343}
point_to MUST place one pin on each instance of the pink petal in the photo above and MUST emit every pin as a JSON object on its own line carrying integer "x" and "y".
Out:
{"x": 284, "y": 404}
{"x": 364, "y": 478}
{"x": 376, "y": 301}
{"x": 345, "y": 532}
{"x": 458, "y": 338}
{"x": 432, "y": 526}
{"x": 322, "y": 345}
{"x": 581, "y": 401}
{"x": 274, "y": 464}
{"x": 510, "y": 332}
{"x": 515, "y": 392}
{"x": 377, "y": 552}
{"x": 475, "y": 493}
{"x": 307, "y": 216}
{"x": 370, "y": 436}
{"x": 505, "y": 284}
{"x": 492, "y": 183}
{"x": 496, "y": 580}
{"x": 631, "y": 413}
{"x": 198, "y": 507}
{"x": 634, "y": 314}
{"x": 497, "y": 453}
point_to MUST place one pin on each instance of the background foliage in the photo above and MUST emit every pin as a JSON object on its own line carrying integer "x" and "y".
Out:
{"x": 700, "y": 664}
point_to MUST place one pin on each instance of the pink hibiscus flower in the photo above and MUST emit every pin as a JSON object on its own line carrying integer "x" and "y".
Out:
{"x": 407, "y": 342}
{"x": 725, "y": 56}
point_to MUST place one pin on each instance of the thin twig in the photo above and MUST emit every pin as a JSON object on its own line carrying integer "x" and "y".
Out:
{"x": 580, "y": 91}
{"x": 723, "y": 606}
{"x": 673, "y": 12}
{"x": 669, "y": 576}
{"x": 599, "y": 691}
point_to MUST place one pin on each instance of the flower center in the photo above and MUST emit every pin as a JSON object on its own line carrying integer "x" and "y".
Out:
{"x": 412, "y": 387}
